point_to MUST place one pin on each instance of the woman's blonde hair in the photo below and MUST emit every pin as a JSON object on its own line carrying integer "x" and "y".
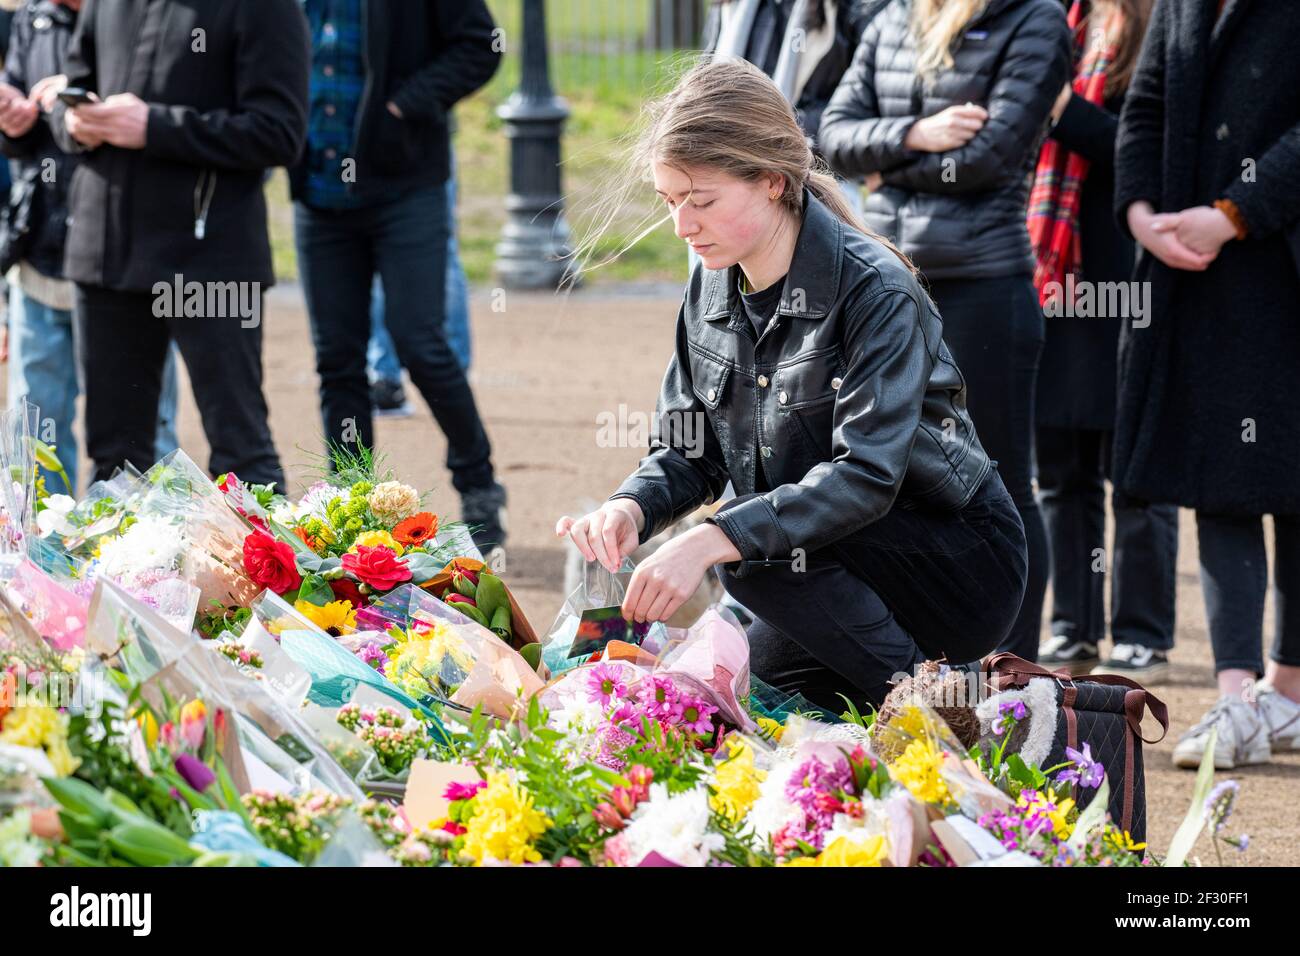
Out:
{"x": 727, "y": 115}
{"x": 936, "y": 24}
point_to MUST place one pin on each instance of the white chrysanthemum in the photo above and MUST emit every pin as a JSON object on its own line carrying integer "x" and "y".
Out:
{"x": 872, "y": 823}
{"x": 315, "y": 500}
{"x": 393, "y": 501}
{"x": 577, "y": 715}
{"x": 773, "y": 810}
{"x": 151, "y": 543}
{"x": 675, "y": 827}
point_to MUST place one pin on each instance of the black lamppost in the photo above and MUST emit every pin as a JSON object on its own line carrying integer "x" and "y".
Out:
{"x": 535, "y": 238}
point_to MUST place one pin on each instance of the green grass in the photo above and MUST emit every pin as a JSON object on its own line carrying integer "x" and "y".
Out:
{"x": 604, "y": 93}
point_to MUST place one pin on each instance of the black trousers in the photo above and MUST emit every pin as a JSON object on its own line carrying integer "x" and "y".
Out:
{"x": 405, "y": 241}
{"x": 1073, "y": 464}
{"x": 1234, "y": 579}
{"x": 994, "y": 329}
{"x": 123, "y": 349}
{"x": 918, "y": 584}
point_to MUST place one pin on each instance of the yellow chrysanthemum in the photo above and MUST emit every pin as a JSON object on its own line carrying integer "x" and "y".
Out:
{"x": 917, "y": 769}
{"x": 911, "y": 721}
{"x": 846, "y": 852}
{"x": 38, "y": 725}
{"x": 504, "y": 824}
{"x": 376, "y": 539}
{"x": 736, "y": 782}
{"x": 336, "y": 617}
{"x": 801, "y": 861}
{"x": 771, "y": 729}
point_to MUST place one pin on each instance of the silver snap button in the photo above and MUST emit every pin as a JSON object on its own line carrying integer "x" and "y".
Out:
{"x": 767, "y": 451}
{"x": 783, "y": 398}
{"x": 836, "y": 383}
{"x": 762, "y": 381}
{"x": 713, "y": 394}
{"x": 1222, "y": 131}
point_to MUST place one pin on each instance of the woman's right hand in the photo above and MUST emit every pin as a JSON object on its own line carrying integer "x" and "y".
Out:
{"x": 1165, "y": 246}
{"x": 608, "y": 534}
{"x": 950, "y": 129}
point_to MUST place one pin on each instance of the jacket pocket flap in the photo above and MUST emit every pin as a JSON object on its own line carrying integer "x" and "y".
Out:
{"x": 709, "y": 381}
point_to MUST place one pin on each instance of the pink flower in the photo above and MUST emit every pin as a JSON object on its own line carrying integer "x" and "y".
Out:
{"x": 695, "y": 715}
{"x": 659, "y": 697}
{"x": 605, "y": 684}
{"x": 463, "y": 791}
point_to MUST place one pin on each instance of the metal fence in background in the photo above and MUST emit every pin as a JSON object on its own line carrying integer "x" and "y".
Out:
{"x": 609, "y": 44}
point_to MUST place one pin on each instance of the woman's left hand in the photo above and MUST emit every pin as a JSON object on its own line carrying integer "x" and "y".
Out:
{"x": 669, "y": 577}
{"x": 1202, "y": 229}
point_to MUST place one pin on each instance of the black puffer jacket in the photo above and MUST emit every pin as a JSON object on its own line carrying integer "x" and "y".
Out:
{"x": 848, "y": 402}
{"x": 958, "y": 214}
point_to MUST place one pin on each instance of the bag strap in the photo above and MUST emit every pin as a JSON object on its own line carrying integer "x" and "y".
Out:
{"x": 1018, "y": 671}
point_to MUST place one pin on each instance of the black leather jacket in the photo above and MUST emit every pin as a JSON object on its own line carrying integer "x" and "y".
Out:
{"x": 848, "y": 401}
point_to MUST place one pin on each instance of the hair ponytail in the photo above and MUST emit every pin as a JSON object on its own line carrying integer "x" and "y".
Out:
{"x": 724, "y": 115}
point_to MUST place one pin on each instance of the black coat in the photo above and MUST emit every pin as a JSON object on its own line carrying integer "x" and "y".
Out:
{"x": 959, "y": 214}
{"x": 1077, "y": 371}
{"x": 1206, "y": 418}
{"x": 219, "y": 117}
{"x": 424, "y": 57}
{"x": 42, "y": 172}
{"x": 764, "y": 49}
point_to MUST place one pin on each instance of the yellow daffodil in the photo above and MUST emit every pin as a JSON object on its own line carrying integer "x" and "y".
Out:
{"x": 376, "y": 539}
{"x": 1058, "y": 814}
{"x": 736, "y": 783}
{"x": 336, "y": 617}
{"x": 771, "y": 729}
{"x": 149, "y": 727}
{"x": 504, "y": 824}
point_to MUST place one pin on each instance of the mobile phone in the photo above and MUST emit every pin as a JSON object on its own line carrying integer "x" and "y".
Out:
{"x": 76, "y": 96}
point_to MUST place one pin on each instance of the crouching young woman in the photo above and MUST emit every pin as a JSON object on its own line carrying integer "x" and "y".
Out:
{"x": 869, "y": 531}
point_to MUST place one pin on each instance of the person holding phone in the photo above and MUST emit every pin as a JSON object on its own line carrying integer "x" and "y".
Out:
{"x": 42, "y": 359}
{"x": 870, "y": 530}
{"x": 195, "y": 103}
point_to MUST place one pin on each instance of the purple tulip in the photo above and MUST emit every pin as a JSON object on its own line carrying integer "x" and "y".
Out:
{"x": 194, "y": 771}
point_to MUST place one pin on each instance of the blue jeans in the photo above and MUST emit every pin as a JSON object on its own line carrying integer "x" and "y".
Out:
{"x": 405, "y": 241}
{"x": 381, "y": 354}
{"x": 43, "y": 371}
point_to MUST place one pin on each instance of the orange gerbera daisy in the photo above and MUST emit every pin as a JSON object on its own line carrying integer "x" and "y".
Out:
{"x": 417, "y": 529}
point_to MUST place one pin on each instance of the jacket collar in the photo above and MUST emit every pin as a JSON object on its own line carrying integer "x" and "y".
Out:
{"x": 813, "y": 281}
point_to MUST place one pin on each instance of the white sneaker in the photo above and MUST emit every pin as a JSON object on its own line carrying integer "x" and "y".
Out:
{"x": 1281, "y": 714}
{"x": 1243, "y": 737}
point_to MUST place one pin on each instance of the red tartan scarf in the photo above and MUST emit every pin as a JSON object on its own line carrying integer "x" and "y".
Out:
{"x": 1054, "y": 200}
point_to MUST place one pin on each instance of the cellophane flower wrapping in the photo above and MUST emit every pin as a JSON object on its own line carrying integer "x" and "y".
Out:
{"x": 712, "y": 656}
{"x": 56, "y": 612}
{"x": 18, "y": 426}
{"x": 267, "y": 735}
{"x": 599, "y": 588}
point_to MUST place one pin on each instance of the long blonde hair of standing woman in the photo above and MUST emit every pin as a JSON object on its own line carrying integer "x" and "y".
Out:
{"x": 936, "y": 24}
{"x": 725, "y": 115}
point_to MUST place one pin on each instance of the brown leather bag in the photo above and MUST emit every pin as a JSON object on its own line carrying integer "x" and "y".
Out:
{"x": 1104, "y": 711}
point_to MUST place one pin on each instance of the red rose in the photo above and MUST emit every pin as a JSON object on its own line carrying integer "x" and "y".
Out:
{"x": 270, "y": 563}
{"x": 377, "y": 567}
{"x": 345, "y": 589}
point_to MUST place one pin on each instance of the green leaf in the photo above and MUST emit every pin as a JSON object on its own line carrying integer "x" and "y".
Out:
{"x": 1029, "y": 777}
{"x": 491, "y": 594}
{"x": 315, "y": 590}
{"x": 1189, "y": 830}
{"x": 532, "y": 653}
